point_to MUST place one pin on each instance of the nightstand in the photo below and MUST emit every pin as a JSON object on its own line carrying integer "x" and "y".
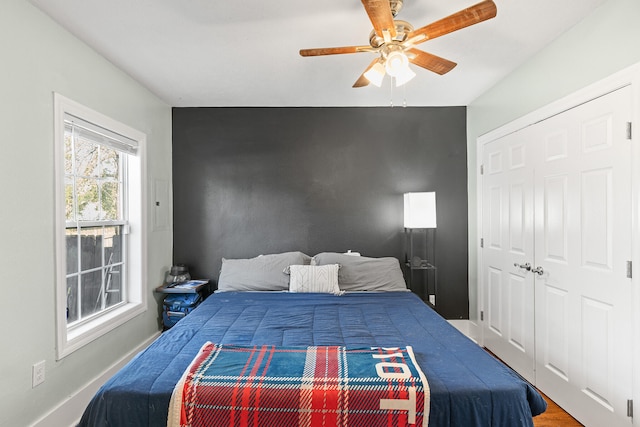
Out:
{"x": 422, "y": 273}
{"x": 423, "y": 280}
{"x": 179, "y": 300}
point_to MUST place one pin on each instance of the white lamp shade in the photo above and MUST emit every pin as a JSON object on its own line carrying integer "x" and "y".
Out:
{"x": 375, "y": 74}
{"x": 420, "y": 210}
{"x": 396, "y": 63}
{"x": 403, "y": 77}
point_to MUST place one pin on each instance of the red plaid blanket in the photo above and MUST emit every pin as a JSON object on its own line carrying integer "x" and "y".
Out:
{"x": 315, "y": 386}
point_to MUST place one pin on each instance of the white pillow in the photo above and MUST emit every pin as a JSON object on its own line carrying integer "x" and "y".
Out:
{"x": 314, "y": 278}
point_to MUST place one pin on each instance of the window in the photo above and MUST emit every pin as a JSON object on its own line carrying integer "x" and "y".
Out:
{"x": 100, "y": 227}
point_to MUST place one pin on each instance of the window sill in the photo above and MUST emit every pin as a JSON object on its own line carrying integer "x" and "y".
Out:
{"x": 90, "y": 331}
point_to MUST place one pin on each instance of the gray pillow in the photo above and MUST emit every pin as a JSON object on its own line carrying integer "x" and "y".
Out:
{"x": 358, "y": 273}
{"x": 262, "y": 273}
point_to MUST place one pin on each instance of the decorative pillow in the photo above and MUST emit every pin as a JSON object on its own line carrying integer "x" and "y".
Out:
{"x": 358, "y": 273}
{"x": 262, "y": 273}
{"x": 314, "y": 278}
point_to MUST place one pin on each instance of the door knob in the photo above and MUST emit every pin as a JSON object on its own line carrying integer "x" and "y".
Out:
{"x": 526, "y": 266}
{"x": 538, "y": 270}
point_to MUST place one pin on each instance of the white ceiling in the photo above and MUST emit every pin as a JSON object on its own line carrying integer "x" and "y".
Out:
{"x": 245, "y": 52}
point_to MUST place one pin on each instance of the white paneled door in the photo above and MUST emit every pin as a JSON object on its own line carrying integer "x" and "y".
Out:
{"x": 509, "y": 251}
{"x": 557, "y": 238}
{"x": 582, "y": 244}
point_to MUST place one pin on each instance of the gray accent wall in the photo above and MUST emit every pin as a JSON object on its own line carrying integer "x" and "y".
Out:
{"x": 250, "y": 181}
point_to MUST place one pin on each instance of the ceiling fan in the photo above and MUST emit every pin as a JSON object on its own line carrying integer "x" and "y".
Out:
{"x": 395, "y": 41}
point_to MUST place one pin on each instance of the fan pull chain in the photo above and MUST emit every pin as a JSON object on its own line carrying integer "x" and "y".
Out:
{"x": 391, "y": 91}
{"x": 404, "y": 94}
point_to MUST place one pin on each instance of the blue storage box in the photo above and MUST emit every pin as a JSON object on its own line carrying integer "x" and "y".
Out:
{"x": 176, "y": 306}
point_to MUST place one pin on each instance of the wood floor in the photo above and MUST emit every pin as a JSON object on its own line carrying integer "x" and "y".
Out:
{"x": 554, "y": 416}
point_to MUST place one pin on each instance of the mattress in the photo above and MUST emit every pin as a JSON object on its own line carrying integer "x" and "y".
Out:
{"x": 469, "y": 387}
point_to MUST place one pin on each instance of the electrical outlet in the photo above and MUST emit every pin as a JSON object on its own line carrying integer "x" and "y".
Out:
{"x": 37, "y": 371}
{"x": 432, "y": 299}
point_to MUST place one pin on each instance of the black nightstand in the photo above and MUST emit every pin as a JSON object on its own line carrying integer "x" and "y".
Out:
{"x": 179, "y": 300}
{"x": 422, "y": 273}
{"x": 427, "y": 287}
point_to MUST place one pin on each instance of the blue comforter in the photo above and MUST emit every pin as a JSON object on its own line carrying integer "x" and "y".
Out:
{"x": 468, "y": 386}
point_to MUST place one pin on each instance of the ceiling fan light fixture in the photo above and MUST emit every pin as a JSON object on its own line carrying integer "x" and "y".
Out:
{"x": 405, "y": 76}
{"x": 375, "y": 74}
{"x": 396, "y": 63}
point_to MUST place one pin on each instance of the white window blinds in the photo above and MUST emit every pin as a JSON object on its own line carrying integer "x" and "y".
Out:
{"x": 101, "y": 135}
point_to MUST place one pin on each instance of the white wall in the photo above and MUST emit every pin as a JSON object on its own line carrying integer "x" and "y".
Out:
{"x": 39, "y": 57}
{"x": 605, "y": 42}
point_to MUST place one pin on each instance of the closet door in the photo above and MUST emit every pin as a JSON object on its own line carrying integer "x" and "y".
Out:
{"x": 582, "y": 244}
{"x": 508, "y": 251}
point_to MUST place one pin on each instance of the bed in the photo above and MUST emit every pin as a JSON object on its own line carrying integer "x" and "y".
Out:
{"x": 468, "y": 386}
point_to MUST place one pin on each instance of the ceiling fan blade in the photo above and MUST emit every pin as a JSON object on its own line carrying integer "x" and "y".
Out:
{"x": 466, "y": 17}
{"x": 430, "y": 62}
{"x": 334, "y": 50}
{"x": 381, "y": 17}
{"x": 362, "y": 80}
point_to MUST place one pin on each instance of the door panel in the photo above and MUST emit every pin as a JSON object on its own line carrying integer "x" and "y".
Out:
{"x": 582, "y": 233}
{"x": 494, "y": 314}
{"x": 517, "y": 308}
{"x": 596, "y": 329}
{"x": 495, "y": 217}
{"x": 556, "y": 230}
{"x": 597, "y": 214}
{"x": 508, "y": 222}
{"x": 517, "y": 229}
{"x": 553, "y": 349}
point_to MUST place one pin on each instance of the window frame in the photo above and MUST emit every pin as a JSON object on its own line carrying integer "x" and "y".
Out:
{"x": 69, "y": 339}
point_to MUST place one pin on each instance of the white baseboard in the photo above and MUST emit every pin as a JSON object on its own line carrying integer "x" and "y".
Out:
{"x": 463, "y": 325}
{"x": 69, "y": 411}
